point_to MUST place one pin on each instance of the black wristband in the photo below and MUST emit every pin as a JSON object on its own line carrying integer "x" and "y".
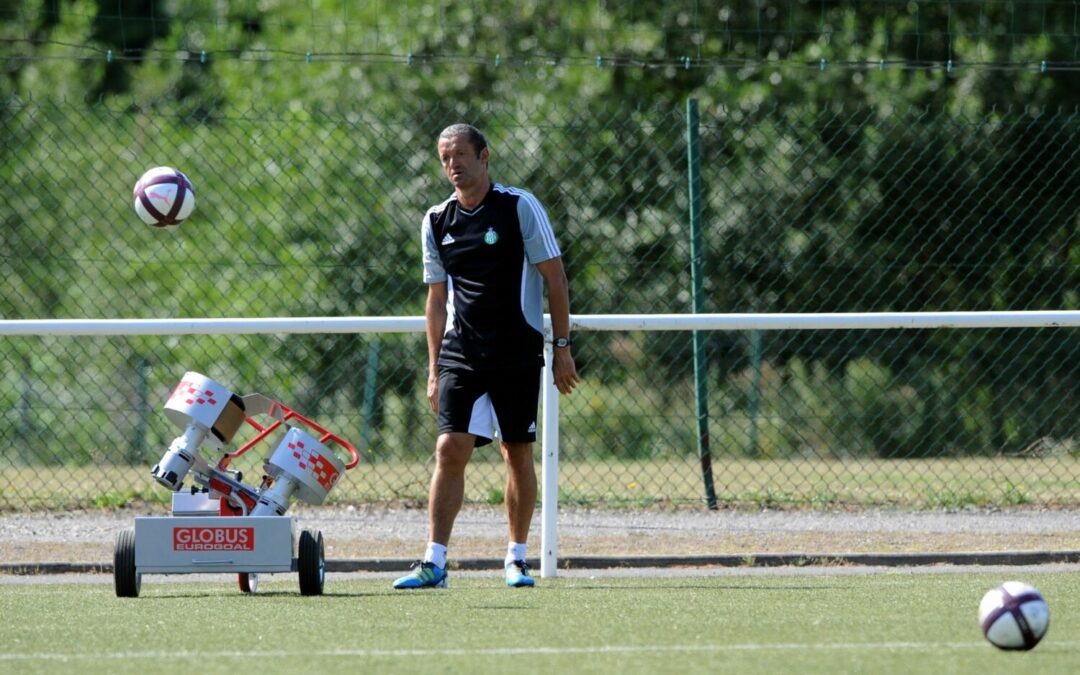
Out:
{"x": 561, "y": 342}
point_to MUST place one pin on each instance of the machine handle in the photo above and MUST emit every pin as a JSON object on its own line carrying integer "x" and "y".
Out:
{"x": 327, "y": 436}
{"x": 287, "y": 415}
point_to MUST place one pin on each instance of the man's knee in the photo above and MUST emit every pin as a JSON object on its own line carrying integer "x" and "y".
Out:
{"x": 453, "y": 450}
{"x": 517, "y": 455}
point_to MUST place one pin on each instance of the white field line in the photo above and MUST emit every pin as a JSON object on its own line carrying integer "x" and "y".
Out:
{"x": 517, "y": 651}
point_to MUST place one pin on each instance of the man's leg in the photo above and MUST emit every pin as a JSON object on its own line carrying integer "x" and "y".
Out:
{"x": 445, "y": 496}
{"x": 447, "y": 492}
{"x": 520, "y": 503}
{"x": 520, "y": 488}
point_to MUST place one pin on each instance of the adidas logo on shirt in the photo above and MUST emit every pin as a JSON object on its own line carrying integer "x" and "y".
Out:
{"x": 447, "y": 239}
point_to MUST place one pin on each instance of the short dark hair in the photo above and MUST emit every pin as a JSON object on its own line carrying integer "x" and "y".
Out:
{"x": 476, "y": 138}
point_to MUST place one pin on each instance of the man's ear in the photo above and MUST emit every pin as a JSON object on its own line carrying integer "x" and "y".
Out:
{"x": 484, "y": 154}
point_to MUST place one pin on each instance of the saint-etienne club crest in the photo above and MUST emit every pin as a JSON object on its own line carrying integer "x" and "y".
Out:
{"x": 491, "y": 236}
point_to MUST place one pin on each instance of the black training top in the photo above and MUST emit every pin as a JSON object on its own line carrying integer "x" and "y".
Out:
{"x": 488, "y": 257}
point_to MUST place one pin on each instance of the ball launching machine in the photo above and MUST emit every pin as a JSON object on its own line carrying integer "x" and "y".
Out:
{"x": 219, "y": 523}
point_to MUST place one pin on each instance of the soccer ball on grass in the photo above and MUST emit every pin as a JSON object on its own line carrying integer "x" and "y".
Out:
{"x": 1014, "y": 616}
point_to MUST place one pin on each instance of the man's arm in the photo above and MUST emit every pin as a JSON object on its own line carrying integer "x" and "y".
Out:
{"x": 563, "y": 368}
{"x": 435, "y": 313}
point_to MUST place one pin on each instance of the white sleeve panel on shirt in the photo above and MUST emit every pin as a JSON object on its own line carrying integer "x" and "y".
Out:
{"x": 434, "y": 272}
{"x": 536, "y": 232}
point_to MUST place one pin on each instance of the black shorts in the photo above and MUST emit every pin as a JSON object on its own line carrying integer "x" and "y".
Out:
{"x": 487, "y": 403}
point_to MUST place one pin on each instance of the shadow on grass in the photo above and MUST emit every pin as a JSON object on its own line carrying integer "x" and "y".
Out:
{"x": 698, "y": 587}
{"x": 155, "y": 594}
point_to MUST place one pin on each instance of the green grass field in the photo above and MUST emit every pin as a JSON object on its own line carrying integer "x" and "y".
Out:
{"x": 796, "y": 621}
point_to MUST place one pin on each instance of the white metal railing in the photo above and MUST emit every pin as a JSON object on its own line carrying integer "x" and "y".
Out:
{"x": 411, "y": 324}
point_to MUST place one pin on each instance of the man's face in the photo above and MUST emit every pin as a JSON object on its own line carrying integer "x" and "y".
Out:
{"x": 461, "y": 164}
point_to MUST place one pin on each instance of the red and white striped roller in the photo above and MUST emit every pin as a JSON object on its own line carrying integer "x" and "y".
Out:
{"x": 300, "y": 466}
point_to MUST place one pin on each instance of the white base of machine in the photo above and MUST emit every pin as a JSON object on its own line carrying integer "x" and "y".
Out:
{"x": 186, "y": 544}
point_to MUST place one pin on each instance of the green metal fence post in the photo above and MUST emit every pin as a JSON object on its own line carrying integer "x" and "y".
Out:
{"x": 371, "y": 388}
{"x": 26, "y": 430}
{"x": 142, "y": 409}
{"x": 752, "y": 449}
{"x": 693, "y": 143}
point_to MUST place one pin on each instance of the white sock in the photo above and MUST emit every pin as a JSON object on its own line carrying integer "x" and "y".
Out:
{"x": 515, "y": 551}
{"x": 436, "y": 553}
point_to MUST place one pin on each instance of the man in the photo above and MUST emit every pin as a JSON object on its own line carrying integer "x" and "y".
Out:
{"x": 488, "y": 251}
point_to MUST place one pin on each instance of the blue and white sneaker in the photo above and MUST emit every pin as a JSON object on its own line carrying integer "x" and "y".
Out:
{"x": 423, "y": 575}
{"x": 517, "y": 575}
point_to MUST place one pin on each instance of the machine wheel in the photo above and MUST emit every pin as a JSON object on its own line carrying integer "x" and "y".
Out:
{"x": 125, "y": 577}
{"x": 249, "y": 582}
{"x": 311, "y": 563}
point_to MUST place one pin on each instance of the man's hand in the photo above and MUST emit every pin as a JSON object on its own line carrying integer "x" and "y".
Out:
{"x": 564, "y": 370}
{"x": 433, "y": 391}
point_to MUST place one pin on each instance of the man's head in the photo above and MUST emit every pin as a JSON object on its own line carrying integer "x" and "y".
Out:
{"x": 475, "y": 137}
{"x": 463, "y": 153}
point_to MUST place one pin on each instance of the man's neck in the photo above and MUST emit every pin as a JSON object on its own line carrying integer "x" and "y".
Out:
{"x": 472, "y": 198}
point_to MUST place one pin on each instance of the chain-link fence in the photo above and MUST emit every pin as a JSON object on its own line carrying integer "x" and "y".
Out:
{"x": 313, "y": 212}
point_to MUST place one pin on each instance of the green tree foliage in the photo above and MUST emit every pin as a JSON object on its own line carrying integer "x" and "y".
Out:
{"x": 857, "y": 157}
{"x": 128, "y": 28}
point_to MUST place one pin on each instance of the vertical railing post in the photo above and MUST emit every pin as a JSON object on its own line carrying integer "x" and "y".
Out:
{"x": 693, "y": 143}
{"x": 549, "y": 470}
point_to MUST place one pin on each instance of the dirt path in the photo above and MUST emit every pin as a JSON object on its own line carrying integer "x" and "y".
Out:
{"x": 392, "y": 532}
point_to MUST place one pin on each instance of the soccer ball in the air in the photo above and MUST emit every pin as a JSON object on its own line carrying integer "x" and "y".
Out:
{"x": 164, "y": 196}
{"x": 1014, "y": 616}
